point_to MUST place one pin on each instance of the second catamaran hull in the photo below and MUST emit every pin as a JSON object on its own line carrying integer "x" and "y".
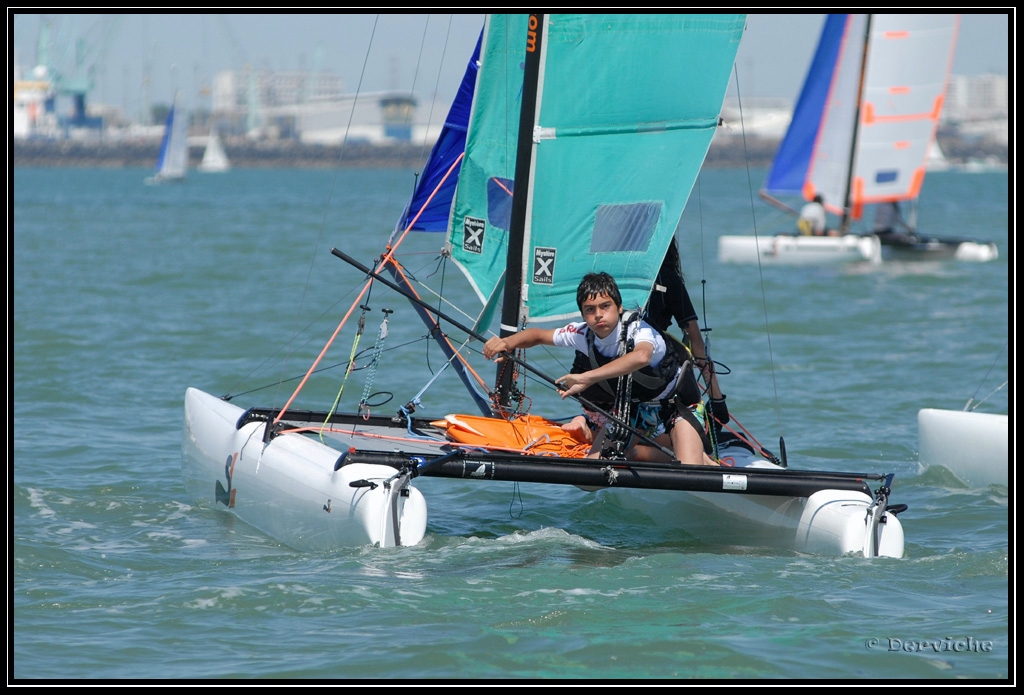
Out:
{"x": 752, "y": 502}
{"x": 799, "y": 250}
{"x": 829, "y": 522}
{"x": 934, "y": 249}
{"x": 824, "y": 522}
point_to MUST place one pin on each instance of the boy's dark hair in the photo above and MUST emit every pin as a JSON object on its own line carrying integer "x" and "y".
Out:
{"x": 594, "y": 284}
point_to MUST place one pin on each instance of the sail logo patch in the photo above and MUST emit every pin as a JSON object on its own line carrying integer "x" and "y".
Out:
{"x": 473, "y": 235}
{"x": 543, "y": 265}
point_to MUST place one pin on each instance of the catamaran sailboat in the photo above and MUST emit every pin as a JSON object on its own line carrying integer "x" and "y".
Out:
{"x": 862, "y": 134}
{"x": 524, "y": 231}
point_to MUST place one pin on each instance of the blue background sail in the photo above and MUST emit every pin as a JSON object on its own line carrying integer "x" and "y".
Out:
{"x": 789, "y": 168}
{"x": 168, "y": 132}
{"x": 451, "y": 143}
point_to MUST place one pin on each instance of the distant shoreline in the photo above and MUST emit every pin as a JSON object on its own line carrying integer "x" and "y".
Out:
{"x": 289, "y": 154}
{"x": 724, "y": 152}
{"x": 257, "y": 155}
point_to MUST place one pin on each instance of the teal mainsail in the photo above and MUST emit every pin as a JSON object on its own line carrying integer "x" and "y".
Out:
{"x": 625, "y": 110}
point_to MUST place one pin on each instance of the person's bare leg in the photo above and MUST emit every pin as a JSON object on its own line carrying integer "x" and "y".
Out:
{"x": 688, "y": 445}
{"x": 645, "y": 452}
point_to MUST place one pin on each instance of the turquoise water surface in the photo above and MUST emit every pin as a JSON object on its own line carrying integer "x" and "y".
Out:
{"x": 126, "y": 294}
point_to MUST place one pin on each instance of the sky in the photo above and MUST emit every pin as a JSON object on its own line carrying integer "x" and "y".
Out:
{"x": 422, "y": 53}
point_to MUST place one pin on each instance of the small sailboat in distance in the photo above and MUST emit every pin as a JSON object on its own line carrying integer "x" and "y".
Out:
{"x": 215, "y": 160}
{"x": 172, "y": 163}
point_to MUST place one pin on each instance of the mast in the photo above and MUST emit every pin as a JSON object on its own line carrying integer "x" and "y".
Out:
{"x": 844, "y": 225}
{"x": 512, "y": 314}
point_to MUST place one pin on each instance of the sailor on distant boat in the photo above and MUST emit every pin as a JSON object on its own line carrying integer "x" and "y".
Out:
{"x": 813, "y": 220}
{"x": 622, "y": 362}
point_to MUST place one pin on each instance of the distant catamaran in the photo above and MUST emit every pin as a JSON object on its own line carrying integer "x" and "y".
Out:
{"x": 863, "y": 135}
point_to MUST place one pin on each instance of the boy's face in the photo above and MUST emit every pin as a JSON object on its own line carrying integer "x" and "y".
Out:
{"x": 601, "y": 314}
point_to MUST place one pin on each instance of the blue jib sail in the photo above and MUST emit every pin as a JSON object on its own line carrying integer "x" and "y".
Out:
{"x": 789, "y": 168}
{"x": 432, "y": 216}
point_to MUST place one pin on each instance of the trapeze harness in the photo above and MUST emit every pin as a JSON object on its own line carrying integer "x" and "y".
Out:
{"x": 644, "y": 385}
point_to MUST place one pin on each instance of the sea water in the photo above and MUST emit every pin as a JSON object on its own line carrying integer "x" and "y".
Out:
{"x": 126, "y": 294}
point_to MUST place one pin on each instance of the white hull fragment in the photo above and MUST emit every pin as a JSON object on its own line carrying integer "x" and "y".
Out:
{"x": 289, "y": 489}
{"x": 799, "y": 250}
{"x": 973, "y": 446}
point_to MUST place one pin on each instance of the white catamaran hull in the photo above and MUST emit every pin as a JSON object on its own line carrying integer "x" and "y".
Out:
{"x": 799, "y": 250}
{"x": 973, "y": 446}
{"x": 976, "y": 252}
{"x": 829, "y": 522}
{"x": 940, "y": 249}
{"x": 289, "y": 489}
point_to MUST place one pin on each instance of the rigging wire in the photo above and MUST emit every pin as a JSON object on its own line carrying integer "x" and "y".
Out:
{"x": 351, "y": 363}
{"x": 444, "y": 52}
{"x": 970, "y": 400}
{"x": 330, "y": 195}
{"x": 292, "y": 345}
{"x": 709, "y": 363}
{"x": 442, "y": 265}
{"x": 760, "y": 270}
{"x": 437, "y": 333}
{"x": 360, "y": 354}
{"x": 382, "y": 262}
{"x": 378, "y": 347}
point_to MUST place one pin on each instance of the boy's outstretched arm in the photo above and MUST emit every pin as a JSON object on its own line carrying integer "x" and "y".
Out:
{"x": 526, "y": 338}
{"x": 575, "y": 384}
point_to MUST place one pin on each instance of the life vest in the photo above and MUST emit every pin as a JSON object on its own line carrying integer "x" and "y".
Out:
{"x": 648, "y": 382}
